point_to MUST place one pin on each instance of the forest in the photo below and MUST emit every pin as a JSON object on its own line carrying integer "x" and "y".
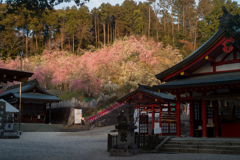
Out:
{"x": 108, "y": 48}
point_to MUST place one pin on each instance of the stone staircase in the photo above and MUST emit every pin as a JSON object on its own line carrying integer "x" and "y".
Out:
{"x": 202, "y": 145}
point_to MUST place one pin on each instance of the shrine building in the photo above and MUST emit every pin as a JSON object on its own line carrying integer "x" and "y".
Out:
{"x": 34, "y": 100}
{"x": 152, "y": 111}
{"x": 208, "y": 79}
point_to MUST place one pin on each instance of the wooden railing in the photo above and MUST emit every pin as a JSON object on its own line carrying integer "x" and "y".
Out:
{"x": 145, "y": 142}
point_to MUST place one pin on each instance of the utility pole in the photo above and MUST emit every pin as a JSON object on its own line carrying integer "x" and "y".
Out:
{"x": 20, "y": 92}
{"x": 149, "y": 22}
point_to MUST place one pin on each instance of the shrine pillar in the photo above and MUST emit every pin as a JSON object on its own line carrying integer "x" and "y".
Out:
{"x": 153, "y": 120}
{"x": 204, "y": 119}
{"x": 178, "y": 117}
{"x": 216, "y": 117}
{"x": 191, "y": 119}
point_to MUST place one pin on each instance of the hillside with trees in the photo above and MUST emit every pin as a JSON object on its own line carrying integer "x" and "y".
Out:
{"x": 108, "y": 48}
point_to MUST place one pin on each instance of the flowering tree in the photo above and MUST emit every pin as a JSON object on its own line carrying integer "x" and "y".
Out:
{"x": 127, "y": 63}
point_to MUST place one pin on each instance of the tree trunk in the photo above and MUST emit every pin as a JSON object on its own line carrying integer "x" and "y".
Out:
{"x": 195, "y": 37}
{"x": 49, "y": 38}
{"x": 79, "y": 44}
{"x": 172, "y": 25}
{"x": 69, "y": 44}
{"x": 96, "y": 28}
{"x": 73, "y": 43}
{"x": 104, "y": 34}
{"x": 27, "y": 41}
{"x": 183, "y": 20}
{"x": 115, "y": 30}
{"x": 62, "y": 33}
{"x": 149, "y": 22}
{"x": 98, "y": 32}
{"x": 36, "y": 43}
{"x": 178, "y": 20}
{"x": 108, "y": 32}
{"x": 164, "y": 24}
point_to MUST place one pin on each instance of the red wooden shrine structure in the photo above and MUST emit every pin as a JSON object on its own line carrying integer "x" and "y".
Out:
{"x": 208, "y": 79}
{"x": 152, "y": 110}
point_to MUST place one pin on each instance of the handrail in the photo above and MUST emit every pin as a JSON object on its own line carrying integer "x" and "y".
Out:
{"x": 104, "y": 112}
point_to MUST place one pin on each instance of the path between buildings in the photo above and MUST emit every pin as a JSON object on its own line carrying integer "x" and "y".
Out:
{"x": 85, "y": 145}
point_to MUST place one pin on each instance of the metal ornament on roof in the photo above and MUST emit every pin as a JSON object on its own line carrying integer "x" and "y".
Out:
{"x": 226, "y": 47}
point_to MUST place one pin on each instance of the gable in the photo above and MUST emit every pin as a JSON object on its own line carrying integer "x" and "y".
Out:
{"x": 224, "y": 62}
{"x": 196, "y": 60}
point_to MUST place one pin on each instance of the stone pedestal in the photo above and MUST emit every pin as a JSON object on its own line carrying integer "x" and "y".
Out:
{"x": 124, "y": 152}
{"x": 125, "y": 142}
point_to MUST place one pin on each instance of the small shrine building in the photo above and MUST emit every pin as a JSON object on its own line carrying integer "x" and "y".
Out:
{"x": 152, "y": 111}
{"x": 208, "y": 79}
{"x": 34, "y": 100}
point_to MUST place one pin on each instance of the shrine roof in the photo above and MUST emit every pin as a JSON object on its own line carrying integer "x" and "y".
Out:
{"x": 37, "y": 96}
{"x": 203, "y": 80}
{"x": 146, "y": 90}
{"x": 8, "y": 75}
{"x": 28, "y": 94}
{"x": 196, "y": 54}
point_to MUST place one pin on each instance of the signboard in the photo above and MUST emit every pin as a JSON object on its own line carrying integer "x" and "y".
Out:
{"x": 157, "y": 130}
{"x": 164, "y": 109}
{"x": 77, "y": 116}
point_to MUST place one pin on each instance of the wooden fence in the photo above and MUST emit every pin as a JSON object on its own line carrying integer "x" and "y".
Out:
{"x": 145, "y": 142}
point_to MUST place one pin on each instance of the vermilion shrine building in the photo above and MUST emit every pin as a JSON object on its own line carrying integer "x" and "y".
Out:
{"x": 154, "y": 110}
{"x": 209, "y": 79}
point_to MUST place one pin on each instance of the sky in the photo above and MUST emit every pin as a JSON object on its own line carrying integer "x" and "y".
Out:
{"x": 96, "y": 3}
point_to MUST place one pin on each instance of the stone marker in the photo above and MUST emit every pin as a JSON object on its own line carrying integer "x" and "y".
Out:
{"x": 125, "y": 142}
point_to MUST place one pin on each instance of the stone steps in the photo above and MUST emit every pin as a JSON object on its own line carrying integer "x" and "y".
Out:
{"x": 192, "y": 150}
{"x": 203, "y": 146}
{"x": 204, "y": 143}
{"x": 211, "y": 146}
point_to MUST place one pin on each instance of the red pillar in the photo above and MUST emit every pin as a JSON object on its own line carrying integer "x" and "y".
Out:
{"x": 204, "y": 119}
{"x": 160, "y": 119}
{"x": 191, "y": 119}
{"x": 153, "y": 120}
{"x": 178, "y": 117}
{"x": 216, "y": 117}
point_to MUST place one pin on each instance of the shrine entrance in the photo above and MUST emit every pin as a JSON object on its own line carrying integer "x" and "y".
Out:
{"x": 155, "y": 113}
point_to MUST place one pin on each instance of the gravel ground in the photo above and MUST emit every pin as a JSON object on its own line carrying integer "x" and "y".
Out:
{"x": 79, "y": 146}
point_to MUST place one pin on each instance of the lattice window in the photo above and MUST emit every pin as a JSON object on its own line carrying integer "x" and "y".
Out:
{"x": 237, "y": 112}
{"x": 156, "y": 116}
{"x": 209, "y": 112}
{"x": 164, "y": 127}
{"x": 197, "y": 110}
{"x": 150, "y": 117}
{"x": 143, "y": 128}
{"x": 173, "y": 128}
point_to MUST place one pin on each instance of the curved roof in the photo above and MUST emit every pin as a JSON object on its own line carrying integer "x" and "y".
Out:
{"x": 162, "y": 96}
{"x": 196, "y": 54}
{"x": 28, "y": 94}
{"x": 202, "y": 80}
{"x": 7, "y": 75}
{"x": 197, "y": 58}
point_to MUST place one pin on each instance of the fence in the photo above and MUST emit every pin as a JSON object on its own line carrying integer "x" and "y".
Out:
{"x": 144, "y": 142}
{"x": 104, "y": 112}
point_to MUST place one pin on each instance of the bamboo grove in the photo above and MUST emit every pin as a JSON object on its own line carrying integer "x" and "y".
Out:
{"x": 183, "y": 24}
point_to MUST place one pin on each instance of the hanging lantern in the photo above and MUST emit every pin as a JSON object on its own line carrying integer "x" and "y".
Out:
{"x": 211, "y": 104}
